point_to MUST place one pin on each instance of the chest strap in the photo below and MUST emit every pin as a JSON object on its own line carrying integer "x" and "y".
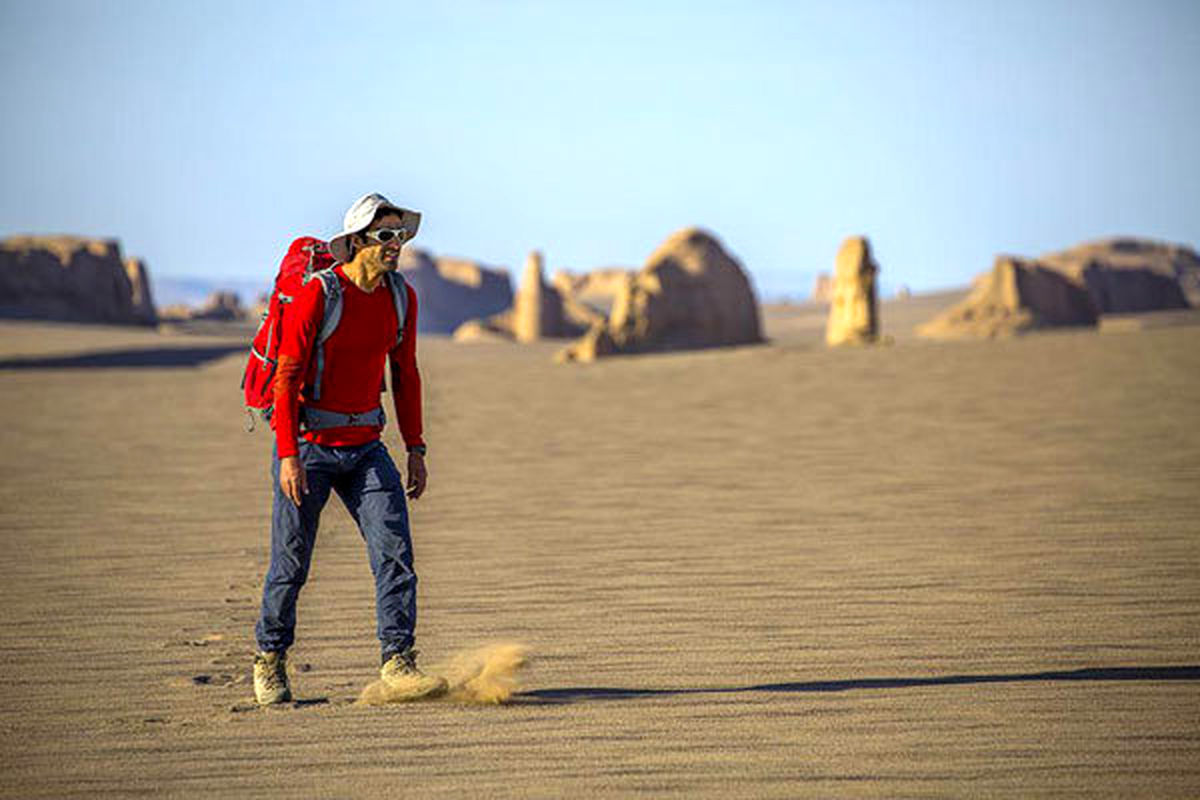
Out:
{"x": 315, "y": 419}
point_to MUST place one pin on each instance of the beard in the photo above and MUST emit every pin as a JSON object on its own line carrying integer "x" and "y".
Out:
{"x": 376, "y": 260}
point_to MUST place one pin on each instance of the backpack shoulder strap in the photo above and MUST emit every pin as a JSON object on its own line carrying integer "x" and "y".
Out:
{"x": 333, "y": 302}
{"x": 399, "y": 287}
{"x": 332, "y": 288}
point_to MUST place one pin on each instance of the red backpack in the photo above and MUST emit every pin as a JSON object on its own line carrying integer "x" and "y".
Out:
{"x": 307, "y": 258}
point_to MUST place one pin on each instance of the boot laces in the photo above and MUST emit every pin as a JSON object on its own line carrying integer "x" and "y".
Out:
{"x": 274, "y": 674}
{"x": 407, "y": 661}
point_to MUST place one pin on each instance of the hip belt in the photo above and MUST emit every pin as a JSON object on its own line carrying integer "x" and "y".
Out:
{"x": 315, "y": 419}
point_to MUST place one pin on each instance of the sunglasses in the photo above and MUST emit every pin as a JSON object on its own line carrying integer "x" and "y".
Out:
{"x": 385, "y": 235}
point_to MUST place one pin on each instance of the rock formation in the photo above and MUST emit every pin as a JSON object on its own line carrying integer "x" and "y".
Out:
{"x": 223, "y": 306}
{"x": 497, "y": 328}
{"x": 822, "y": 291}
{"x": 588, "y": 297}
{"x": 451, "y": 291}
{"x": 596, "y": 289}
{"x": 139, "y": 284}
{"x": 1071, "y": 287}
{"x": 73, "y": 279}
{"x": 690, "y": 294}
{"x": 1126, "y": 275}
{"x": 854, "y": 308}
{"x": 596, "y": 343}
{"x": 538, "y": 308}
{"x": 539, "y": 311}
{"x": 220, "y": 306}
{"x": 1017, "y": 295}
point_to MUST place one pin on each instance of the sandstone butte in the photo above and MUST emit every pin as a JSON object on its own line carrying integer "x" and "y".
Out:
{"x": 690, "y": 294}
{"x": 1071, "y": 287}
{"x": 453, "y": 290}
{"x": 854, "y": 305}
{"x": 73, "y": 279}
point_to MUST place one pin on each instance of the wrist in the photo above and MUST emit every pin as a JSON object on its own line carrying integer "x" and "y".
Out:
{"x": 418, "y": 449}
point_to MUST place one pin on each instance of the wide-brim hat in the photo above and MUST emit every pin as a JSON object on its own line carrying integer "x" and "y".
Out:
{"x": 359, "y": 217}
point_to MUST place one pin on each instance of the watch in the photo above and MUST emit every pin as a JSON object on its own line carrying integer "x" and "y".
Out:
{"x": 417, "y": 448}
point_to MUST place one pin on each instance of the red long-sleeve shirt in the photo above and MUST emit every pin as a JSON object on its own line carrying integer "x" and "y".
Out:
{"x": 364, "y": 339}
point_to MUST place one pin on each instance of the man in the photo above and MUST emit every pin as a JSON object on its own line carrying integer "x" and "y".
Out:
{"x": 327, "y": 420}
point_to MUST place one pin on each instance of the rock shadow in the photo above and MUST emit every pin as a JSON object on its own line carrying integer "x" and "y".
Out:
{"x": 146, "y": 358}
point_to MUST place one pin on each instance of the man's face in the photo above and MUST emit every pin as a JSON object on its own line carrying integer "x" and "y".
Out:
{"x": 390, "y": 251}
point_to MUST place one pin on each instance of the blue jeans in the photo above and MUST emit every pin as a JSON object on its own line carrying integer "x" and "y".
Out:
{"x": 372, "y": 490}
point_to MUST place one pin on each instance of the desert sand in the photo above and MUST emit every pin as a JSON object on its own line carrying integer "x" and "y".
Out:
{"x": 916, "y": 570}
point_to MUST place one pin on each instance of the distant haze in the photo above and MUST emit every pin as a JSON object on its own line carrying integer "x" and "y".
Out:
{"x": 207, "y": 135}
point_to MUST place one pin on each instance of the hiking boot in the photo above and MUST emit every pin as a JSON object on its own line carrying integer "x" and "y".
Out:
{"x": 270, "y": 678}
{"x": 405, "y": 681}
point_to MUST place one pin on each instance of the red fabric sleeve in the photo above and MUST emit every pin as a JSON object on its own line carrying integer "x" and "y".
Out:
{"x": 406, "y": 379}
{"x": 301, "y": 323}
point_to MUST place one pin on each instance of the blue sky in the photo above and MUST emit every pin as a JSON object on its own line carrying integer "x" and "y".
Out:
{"x": 205, "y": 135}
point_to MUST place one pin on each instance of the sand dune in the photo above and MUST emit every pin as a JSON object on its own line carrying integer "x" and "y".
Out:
{"x": 965, "y": 569}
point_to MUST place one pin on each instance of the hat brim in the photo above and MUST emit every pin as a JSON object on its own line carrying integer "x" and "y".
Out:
{"x": 339, "y": 246}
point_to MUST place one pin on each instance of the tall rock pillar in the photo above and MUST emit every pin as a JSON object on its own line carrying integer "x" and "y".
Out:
{"x": 537, "y": 307}
{"x": 854, "y": 308}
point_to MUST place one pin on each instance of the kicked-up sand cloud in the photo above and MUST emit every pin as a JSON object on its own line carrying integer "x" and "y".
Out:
{"x": 487, "y": 675}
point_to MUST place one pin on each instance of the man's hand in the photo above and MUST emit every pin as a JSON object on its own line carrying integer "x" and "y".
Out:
{"x": 417, "y": 475}
{"x": 293, "y": 479}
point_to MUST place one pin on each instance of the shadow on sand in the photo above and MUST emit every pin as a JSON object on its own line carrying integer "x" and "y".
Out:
{"x": 580, "y": 693}
{"x": 156, "y": 357}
